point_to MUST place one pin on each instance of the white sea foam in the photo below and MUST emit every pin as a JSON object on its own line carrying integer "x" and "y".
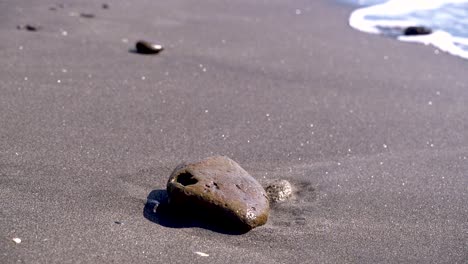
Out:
{"x": 447, "y": 18}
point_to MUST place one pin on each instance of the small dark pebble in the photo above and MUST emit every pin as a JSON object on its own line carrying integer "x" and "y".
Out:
{"x": 145, "y": 47}
{"x": 31, "y": 28}
{"x": 417, "y": 30}
{"x": 105, "y": 6}
{"x": 87, "y": 15}
{"x": 28, "y": 27}
{"x": 52, "y": 9}
{"x": 118, "y": 223}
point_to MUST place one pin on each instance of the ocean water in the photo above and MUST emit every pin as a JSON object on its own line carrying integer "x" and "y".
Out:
{"x": 448, "y": 20}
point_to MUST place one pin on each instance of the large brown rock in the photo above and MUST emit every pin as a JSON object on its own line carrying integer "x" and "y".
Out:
{"x": 219, "y": 188}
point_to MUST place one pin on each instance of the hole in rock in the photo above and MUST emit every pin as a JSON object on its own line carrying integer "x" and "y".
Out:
{"x": 186, "y": 179}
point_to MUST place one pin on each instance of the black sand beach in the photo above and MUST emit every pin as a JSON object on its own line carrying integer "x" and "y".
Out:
{"x": 371, "y": 131}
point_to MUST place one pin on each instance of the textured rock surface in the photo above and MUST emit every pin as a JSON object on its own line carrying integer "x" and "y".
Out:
{"x": 219, "y": 188}
{"x": 279, "y": 191}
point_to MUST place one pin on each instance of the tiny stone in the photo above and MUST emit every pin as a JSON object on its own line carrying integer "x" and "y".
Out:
{"x": 28, "y": 27}
{"x": 417, "y": 30}
{"x": 87, "y": 15}
{"x": 118, "y": 223}
{"x": 31, "y": 28}
{"x": 201, "y": 254}
{"x": 17, "y": 240}
{"x": 144, "y": 47}
{"x": 105, "y": 6}
{"x": 220, "y": 188}
{"x": 279, "y": 191}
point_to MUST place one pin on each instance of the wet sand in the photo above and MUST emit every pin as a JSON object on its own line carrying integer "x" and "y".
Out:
{"x": 371, "y": 131}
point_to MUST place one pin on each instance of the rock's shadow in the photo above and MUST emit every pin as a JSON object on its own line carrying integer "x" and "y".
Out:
{"x": 159, "y": 211}
{"x": 135, "y": 51}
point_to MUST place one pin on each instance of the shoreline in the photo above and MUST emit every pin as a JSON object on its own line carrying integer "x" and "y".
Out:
{"x": 391, "y": 24}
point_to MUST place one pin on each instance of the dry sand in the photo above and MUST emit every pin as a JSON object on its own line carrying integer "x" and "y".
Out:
{"x": 371, "y": 131}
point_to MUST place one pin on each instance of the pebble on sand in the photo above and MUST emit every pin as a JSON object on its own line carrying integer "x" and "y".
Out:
{"x": 87, "y": 15}
{"x": 221, "y": 189}
{"x": 16, "y": 240}
{"x": 145, "y": 47}
{"x": 28, "y": 27}
{"x": 279, "y": 191}
{"x": 417, "y": 30}
{"x": 201, "y": 254}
